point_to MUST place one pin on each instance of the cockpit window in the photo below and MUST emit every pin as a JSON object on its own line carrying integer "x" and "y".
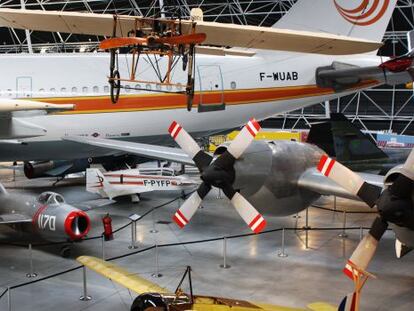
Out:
{"x": 59, "y": 198}
{"x": 50, "y": 198}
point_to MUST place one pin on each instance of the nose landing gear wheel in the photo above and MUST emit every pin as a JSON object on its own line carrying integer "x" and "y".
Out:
{"x": 115, "y": 86}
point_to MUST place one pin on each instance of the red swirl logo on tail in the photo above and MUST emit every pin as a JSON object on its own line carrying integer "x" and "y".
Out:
{"x": 366, "y": 14}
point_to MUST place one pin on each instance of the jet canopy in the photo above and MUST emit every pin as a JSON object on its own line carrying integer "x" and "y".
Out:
{"x": 50, "y": 198}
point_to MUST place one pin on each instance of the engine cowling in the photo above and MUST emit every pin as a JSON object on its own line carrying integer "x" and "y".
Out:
{"x": 58, "y": 222}
{"x": 37, "y": 169}
{"x": 54, "y": 168}
{"x": 268, "y": 173}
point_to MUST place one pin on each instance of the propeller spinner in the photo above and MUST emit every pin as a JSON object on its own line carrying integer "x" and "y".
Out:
{"x": 394, "y": 205}
{"x": 218, "y": 173}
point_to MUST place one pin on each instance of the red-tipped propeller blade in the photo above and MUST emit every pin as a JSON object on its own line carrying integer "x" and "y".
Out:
{"x": 219, "y": 174}
{"x": 188, "y": 144}
{"x": 244, "y": 138}
{"x": 349, "y": 180}
{"x": 183, "y": 216}
{"x": 363, "y": 254}
{"x": 250, "y": 215}
{"x": 370, "y": 194}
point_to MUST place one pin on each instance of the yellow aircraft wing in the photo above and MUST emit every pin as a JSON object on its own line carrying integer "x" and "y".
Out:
{"x": 121, "y": 276}
{"x": 322, "y": 306}
{"x": 201, "y": 303}
{"x": 218, "y": 34}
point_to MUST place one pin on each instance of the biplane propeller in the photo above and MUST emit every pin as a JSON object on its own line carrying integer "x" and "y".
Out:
{"x": 218, "y": 173}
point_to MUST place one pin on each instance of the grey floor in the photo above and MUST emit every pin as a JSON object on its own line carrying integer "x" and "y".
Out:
{"x": 257, "y": 273}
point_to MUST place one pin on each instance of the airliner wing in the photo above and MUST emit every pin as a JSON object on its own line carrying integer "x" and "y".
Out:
{"x": 314, "y": 181}
{"x": 12, "y": 129}
{"x": 218, "y": 34}
{"x": 10, "y": 105}
{"x": 144, "y": 150}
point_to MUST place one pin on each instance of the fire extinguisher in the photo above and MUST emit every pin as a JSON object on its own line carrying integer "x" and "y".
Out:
{"x": 107, "y": 223}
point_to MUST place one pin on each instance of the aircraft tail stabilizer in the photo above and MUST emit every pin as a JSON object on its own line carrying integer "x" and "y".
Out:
{"x": 354, "y": 18}
{"x": 342, "y": 139}
{"x": 97, "y": 183}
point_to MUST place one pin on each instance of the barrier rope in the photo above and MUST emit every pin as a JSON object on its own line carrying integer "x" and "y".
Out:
{"x": 174, "y": 244}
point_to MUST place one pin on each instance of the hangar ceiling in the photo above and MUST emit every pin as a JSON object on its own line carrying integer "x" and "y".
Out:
{"x": 378, "y": 109}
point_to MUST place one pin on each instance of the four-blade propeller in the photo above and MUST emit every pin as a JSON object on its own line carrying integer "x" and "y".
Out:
{"x": 394, "y": 205}
{"x": 218, "y": 173}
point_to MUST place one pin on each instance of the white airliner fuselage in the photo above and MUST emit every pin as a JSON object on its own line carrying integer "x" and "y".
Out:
{"x": 259, "y": 86}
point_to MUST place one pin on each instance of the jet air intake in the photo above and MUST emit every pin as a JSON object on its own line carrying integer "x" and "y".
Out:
{"x": 59, "y": 222}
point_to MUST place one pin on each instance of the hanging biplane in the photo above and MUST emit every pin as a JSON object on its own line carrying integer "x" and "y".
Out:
{"x": 153, "y": 297}
{"x": 150, "y": 40}
{"x": 159, "y": 38}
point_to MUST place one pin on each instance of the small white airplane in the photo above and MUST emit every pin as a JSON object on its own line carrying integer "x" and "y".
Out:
{"x": 133, "y": 182}
{"x": 297, "y": 63}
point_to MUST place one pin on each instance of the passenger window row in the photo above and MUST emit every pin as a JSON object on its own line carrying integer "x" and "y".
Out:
{"x": 87, "y": 90}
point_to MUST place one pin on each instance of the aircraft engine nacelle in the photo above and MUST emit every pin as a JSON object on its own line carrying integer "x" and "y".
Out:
{"x": 60, "y": 222}
{"x": 268, "y": 173}
{"x": 37, "y": 169}
{"x": 54, "y": 168}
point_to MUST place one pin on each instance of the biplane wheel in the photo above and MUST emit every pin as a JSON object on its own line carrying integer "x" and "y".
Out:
{"x": 146, "y": 301}
{"x": 115, "y": 84}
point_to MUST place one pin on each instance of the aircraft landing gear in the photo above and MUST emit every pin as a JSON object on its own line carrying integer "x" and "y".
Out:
{"x": 65, "y": 251}
{"x": 115, "y": 86}
{"x": 135, "y": 198}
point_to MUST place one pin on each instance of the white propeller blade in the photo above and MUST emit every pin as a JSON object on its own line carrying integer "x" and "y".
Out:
{"x": 183, "y": 139}
{"x": 362, "y": 255}
{"x": 244, "y": 139}
{"x": 349, "y": 180}
{"x": 250, "y": 215}
{"x": 187, "y": 210}
{"x": 340, "y": 174}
